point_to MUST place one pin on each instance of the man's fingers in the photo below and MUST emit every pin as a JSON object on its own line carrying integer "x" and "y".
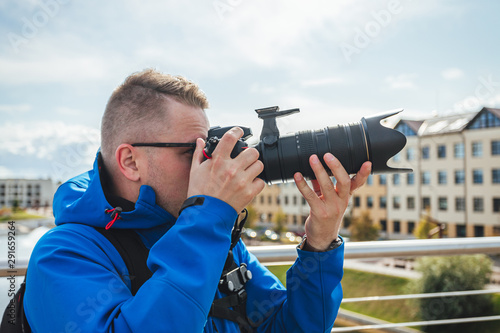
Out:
{"x": 309, "y": 195}
{"x": 343, "y": 185}
{"x": 323, "y": 184}
{"x": 228, "y": 141}
{"x": 360, "y": 178}
{"x": 198, "y": 152}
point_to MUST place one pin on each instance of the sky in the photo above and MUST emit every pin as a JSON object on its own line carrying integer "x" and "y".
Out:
{"x": 337, "y": 61}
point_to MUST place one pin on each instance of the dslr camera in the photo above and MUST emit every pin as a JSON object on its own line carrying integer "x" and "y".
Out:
{"x": 352, "y": 144}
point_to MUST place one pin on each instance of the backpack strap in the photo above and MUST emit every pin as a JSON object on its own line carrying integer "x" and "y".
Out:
{"x": 14, "y": 319}
{"x": 133, "y": 252}
{"x": 232, "y": 283}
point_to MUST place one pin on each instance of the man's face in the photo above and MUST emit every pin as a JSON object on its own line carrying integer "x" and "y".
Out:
{"x": 169, "y": 168}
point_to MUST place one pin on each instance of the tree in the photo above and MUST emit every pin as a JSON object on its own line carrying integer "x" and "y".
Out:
{"x": 362, "y": 228}
{"x": 456, "y": 273}
{"x": 428, "y": 227}
{"x": 279, "y": 219}
{"x": 15, "y": 206}
{"x": 252, "y": 216}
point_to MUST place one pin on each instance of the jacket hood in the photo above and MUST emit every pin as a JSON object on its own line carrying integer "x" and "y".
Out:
{"x": 82, "y": 200}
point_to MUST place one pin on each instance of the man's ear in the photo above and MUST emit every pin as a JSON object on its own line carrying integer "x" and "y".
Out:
{"x": 126, "y": 158}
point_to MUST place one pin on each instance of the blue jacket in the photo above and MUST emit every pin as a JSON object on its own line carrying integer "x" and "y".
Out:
{"x": 75, "y": 281}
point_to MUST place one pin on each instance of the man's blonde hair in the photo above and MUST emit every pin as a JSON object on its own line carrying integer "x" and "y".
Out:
{"x": 136, "y": 109}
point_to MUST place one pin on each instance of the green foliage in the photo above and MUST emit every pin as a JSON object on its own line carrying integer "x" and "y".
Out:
{"x": 252, "y": 217}
{"x": 358, "y": 284}
{"x": 19, "y": 215}
{"x": 279, "y": 220}
{"x": 425, "y": 226}
{"x": 422, "y": 230}
{"x": 457, "y": 273}
{"x": 15, "y": 206}
{"x": 362, "y": 228}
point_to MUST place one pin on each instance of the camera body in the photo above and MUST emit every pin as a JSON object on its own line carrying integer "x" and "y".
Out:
{"x": 352, "y": 144}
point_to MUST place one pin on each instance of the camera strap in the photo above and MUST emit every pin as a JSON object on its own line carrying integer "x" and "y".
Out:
{"x": 232, "y": 283}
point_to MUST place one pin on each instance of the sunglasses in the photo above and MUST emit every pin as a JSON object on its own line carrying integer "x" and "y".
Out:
{"x": 165, "y": 144}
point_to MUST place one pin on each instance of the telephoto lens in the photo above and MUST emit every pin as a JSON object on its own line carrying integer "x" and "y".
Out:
{"x": 283, "y": 156}
{"x": 352, "y": 144}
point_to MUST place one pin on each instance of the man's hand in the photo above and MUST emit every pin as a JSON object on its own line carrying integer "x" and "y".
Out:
{"x": 231, "y": 180}
{"x": 328, "y": 202}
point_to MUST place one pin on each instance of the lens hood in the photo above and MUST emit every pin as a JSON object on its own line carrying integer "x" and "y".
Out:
{"x": 383, "y": 142}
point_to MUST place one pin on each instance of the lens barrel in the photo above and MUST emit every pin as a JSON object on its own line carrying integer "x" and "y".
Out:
{"x": 352, "y": 144}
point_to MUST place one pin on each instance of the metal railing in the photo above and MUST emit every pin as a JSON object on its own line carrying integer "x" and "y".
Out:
{"x": 391, "y": 249}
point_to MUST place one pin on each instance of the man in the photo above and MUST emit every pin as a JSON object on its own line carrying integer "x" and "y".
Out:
{"x": 183, "y": 208}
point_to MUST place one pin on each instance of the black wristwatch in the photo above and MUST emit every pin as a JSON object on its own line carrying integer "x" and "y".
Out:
{"x": 335, "y": 244}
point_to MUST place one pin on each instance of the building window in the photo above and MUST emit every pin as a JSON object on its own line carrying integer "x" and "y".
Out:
{"x": 382, "y": 179}
{"x": 410, "y": 178}
{"x": 496, "y": 205}
{"x": 442, "y": 177}
{"x": 405, "y": 129}
{"x": 495, "y": 176}
{"x": 397, "y": 226}
{"x": 382, "y": 202}
{"x": 369, "y": 181}
{"x": 461, "y": 230}
{"x": 477, "y": 176}
{"x": 477, "y": 149}
{"x": 425, "y": 152}
{"x": 411, "y": 227}
{"x": 426, "y": 177}
{"x": 410, "y": 154}
{"x": 441, "y": 151}
{"x": 495, "y": 147}
{"x": 396, "y": 202}
{"x": 478, "y": 204}
{"x": 369, "y": 201}
{"x": 357, "y": 201}
{"x": 478, "y": 231}
{"x": 383, "y": 225}
{"x": 485, "y": 120}
{"x": 460, "y": 204}
{"x": 458, "y": 150}
{"x": 294, "y": 200}
{"x": 426, "y": 203}
{"x": 410, "y": 202}
{"x": 396, "y": 179}
{"x": 443, "y": 203}
{"x": 397, "y": 157}
{"x": 459, "y": 176}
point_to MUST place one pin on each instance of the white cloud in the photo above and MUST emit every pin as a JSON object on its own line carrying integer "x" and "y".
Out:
{"x": 5, "y": 172}
{"x": 66, "y": 111}
{"x": 452, "y": 73}
{"x": 258, "y": 88}
{"x": 50, "y": 69}
{"x": 322, "y": 82}
{"x": 15, "y": 108}
{"x": 402, "y": 81}
{"x": 52, "y": 149}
